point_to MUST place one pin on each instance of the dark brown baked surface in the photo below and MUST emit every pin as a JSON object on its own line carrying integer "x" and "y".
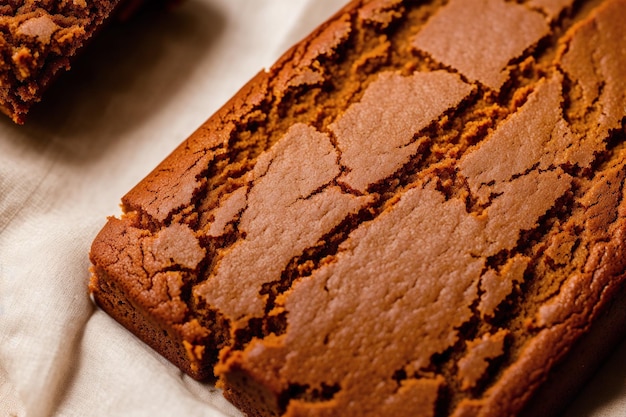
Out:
{"x": 38, "y": 39}
{"x": 418, "y": 210}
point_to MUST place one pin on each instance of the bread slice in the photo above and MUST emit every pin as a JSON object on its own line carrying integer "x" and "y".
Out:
{"x": 38, "y": 40}
{"x": 418, "y": 210}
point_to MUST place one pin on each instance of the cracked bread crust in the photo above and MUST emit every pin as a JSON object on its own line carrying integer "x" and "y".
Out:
{"x": 382, "y": 224}
{"x": 37, "y": 41}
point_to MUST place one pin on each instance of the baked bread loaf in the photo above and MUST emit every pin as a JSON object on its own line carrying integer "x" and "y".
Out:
{"x": 418, "y": 210}
{"x": 37, "y": 41}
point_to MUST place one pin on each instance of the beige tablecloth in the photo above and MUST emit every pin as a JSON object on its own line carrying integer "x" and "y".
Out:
{"x": 139, "y": 90}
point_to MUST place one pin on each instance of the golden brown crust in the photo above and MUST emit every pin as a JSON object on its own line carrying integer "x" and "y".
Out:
{"x": 380, "y": 224}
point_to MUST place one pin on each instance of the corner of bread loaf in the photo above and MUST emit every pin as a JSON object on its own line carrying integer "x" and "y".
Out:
{"x": 241, "y": 388}
{"x": 115, "y": 291}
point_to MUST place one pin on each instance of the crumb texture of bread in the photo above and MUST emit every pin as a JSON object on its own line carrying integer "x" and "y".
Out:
{"x": 38, "y": 39}
{"x": 419, "y": 210}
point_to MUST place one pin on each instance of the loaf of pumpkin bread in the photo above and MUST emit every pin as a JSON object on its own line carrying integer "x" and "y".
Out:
{"x": 419, "y": 210}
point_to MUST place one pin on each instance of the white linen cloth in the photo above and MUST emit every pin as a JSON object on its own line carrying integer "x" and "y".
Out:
{"x": 137, "y": 92}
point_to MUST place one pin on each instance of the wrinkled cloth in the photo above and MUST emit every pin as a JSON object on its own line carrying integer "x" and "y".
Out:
{"x": 138, "y": 90}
